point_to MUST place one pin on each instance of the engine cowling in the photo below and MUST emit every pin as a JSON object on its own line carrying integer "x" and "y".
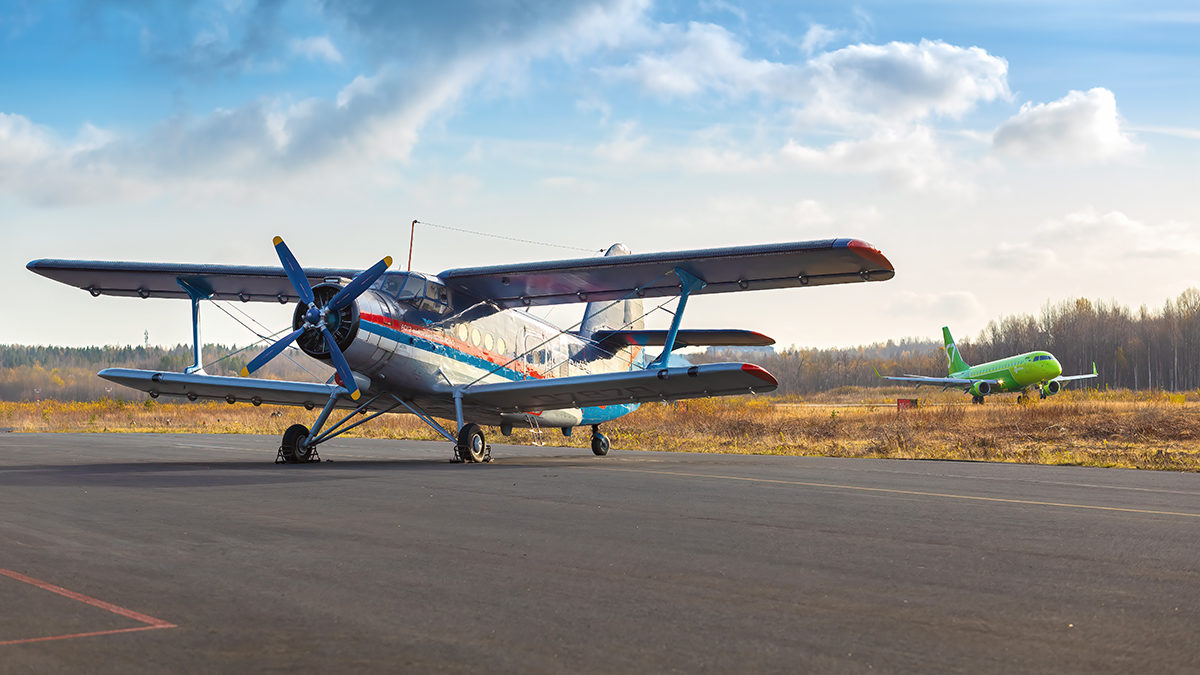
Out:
{"x": 981, "y": 388}
{"x": 343, "y": 323}
{"x": 1052, "y": 387}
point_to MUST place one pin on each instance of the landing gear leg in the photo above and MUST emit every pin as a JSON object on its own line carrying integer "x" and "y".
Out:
{"x": 600, "y": 443}
{"x": 978, "y": 400}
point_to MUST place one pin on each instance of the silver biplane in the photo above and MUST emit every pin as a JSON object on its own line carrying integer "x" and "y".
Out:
{"x": 456, "y": 346}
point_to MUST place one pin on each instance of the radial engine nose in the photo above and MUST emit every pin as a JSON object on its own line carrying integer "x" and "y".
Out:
{"x": 341, "y": 322}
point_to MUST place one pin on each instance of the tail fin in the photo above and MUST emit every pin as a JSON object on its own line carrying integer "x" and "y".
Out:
{"x": 618, "y": 315}
{"x": 954, "y": 360}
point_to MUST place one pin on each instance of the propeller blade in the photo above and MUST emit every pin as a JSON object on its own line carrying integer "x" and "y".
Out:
{"x": 359, "y": 284}
{"x": 294, "y": 271}
{"x": 271, "y": 352}
{"x": 339, "y": 362}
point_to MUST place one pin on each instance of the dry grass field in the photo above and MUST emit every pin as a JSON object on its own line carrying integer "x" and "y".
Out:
{"x": 1112, "y": 429}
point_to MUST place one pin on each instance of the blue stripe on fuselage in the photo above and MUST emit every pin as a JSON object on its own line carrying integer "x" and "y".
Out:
{"x": 439, "y": 348}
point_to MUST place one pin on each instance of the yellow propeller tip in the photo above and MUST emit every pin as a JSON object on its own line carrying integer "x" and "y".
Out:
{"x": 277, "y": 240}
{"x": 387, "y": 260}
{"x": 355, "y": 394}
{"x": 245, "y": 372}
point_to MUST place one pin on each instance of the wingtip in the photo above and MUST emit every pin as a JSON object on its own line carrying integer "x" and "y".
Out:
{"x": 277, "y": 240}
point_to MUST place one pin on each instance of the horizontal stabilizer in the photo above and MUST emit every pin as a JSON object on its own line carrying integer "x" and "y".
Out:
{"x": 638, "y": 386}
{"x": 248, "y": 283}
{"x": 645, "y": 275}
{"x": 612, "y": 340}
{"x": 233, "y": 389}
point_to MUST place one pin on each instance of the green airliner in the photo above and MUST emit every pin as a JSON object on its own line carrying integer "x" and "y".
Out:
{"x": 1036, "y": 370}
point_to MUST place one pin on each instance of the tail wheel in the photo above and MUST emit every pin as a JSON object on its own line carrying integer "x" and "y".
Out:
{"x": 472, "y": 447}
{"x": 600, "y": 444}
{"x": 294, "y": 447}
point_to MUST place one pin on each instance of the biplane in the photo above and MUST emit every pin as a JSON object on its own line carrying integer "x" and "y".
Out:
{"x": 460, "y": 345}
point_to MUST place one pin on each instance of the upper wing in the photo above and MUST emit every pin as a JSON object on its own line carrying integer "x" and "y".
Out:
{"x": 739, "y": 268}
{"x": 611, "y": 340}
{"x": 232, "y": 389}
{"x": 664, "y": 384}
{"x": 161, "y": 280}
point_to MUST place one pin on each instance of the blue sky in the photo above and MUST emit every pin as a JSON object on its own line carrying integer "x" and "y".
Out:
{"x": 1001, "y": 154}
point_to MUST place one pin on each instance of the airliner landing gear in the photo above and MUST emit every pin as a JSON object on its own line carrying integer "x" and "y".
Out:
{"x": 600, "y": 443}
{"x": 471, "y": 446}
{"x": 977, "y": 400}
{"x": 295, "y": 449}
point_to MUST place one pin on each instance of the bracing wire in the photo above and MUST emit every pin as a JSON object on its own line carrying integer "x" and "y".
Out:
{"x": 261, "y": 338}
{"x": 516, "y": 239}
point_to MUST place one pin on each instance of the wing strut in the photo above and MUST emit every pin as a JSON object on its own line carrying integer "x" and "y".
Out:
{"x": 195, "y": 294}
{"x": 688, "y": 283}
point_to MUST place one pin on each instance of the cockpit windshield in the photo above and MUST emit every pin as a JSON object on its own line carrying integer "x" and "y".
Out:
{"x": 416, "y": 290}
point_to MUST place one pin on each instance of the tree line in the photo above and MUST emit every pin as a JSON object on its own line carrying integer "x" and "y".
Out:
{"x": 29, "y": 373}
{"x": 1134, "y": 349}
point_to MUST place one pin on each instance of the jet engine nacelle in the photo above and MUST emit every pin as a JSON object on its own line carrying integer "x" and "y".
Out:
{"x": 1052, "y": 387}
{"x": 981, "y": 388}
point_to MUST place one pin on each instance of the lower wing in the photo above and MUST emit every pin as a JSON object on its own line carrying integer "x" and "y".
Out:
{"x": 638, "y": 386}
{"x": 231, "y": 389}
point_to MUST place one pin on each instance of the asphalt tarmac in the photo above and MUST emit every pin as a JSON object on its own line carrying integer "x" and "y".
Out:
{"x": 190, "y": 553}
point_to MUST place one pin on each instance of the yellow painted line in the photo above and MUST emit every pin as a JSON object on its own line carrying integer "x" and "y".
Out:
{"x": 918, "y": 493}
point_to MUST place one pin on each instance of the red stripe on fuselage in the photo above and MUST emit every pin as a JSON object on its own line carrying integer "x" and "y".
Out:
{"x": 413, "y": 329}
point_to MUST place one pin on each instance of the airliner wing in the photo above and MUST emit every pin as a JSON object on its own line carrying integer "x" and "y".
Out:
{"x": 947, "y": 382}
{"x": 248, "y": 283}
{"x": 738, "y": 268}
{"x": 637, "y": 386}
{"x": 1068, "y": 378}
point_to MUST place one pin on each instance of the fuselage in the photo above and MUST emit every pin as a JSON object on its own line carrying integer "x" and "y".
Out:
{"x": 1015, "y": 373}
{"x": 409, "y": 342}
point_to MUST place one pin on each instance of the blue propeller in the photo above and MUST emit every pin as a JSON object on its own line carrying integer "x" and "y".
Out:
{"x": 317, "y": 318}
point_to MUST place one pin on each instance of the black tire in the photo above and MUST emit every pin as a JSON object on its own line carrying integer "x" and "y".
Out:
{"x": 294, "y": 449}
{"x": 472, "y": 446}
{"x": 600, "y": 445}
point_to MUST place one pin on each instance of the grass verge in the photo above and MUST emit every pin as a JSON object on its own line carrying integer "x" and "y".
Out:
{"x": 1108, "y": 431}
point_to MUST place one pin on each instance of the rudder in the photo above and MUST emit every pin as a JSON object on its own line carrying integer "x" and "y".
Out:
{"x": 954, "y": 359}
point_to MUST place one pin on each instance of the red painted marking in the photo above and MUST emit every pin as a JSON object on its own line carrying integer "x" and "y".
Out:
{"x": 760, "y": 373}
{"x": 449, "y": 341}
{"x": 869, "y": 252}
{"x": 79, "y": 635}
{"x": 151, "y": 622}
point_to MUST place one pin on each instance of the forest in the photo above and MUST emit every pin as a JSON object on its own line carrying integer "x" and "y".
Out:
{"x": 1133, "y": 349}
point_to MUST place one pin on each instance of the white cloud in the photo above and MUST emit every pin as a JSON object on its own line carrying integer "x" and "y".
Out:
{"x": 1081, "y": 126}
{"x": 317, "y": 48}
{"x": 812, "y": 212}
{"x": 901, "y": 81}
{"x": 817, "y": 37}
{"x": 625, "y": 144}
{"x": 909, "y": 158}
{"x": 696, "y": 59}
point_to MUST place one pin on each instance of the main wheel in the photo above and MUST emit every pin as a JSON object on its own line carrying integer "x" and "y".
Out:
{"x": 471, "y": 445}
{"x": 600, "y": 444}
{"x": 294, "y": 447}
